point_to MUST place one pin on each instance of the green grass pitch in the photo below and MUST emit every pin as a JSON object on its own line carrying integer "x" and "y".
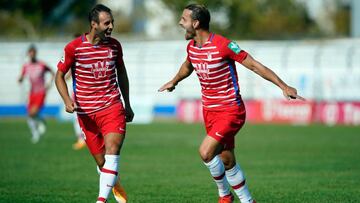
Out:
{"x": 160, "y": 163}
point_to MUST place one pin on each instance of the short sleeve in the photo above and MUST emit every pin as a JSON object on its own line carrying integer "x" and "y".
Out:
{"x": 234, "y": 52}
{"x": 67, "y": 60}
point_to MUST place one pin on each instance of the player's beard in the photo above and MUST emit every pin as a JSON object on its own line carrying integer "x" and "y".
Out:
{"x": 103, "y": 34}
{"x": 189, "y": 33}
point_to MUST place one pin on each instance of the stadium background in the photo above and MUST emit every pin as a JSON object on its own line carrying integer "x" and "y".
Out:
{"x": 317, "y": 155}
{"x": 324, "y": 67}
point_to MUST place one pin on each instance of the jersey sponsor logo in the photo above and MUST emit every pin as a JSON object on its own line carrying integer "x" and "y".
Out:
{"x": 202, "y": 70}
{"x": 99, "y": 69}
{"x": 234, "y": 47}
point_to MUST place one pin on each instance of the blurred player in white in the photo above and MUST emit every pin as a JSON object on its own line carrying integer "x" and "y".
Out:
{"x": 213, "y": 58}
{"x": 99, "y": 75}
{"x": 35, "y": 71}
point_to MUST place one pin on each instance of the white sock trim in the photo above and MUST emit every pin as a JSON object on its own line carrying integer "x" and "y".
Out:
{"x": 217, "y": 171}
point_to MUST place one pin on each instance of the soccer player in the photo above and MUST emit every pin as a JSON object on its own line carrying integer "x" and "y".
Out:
{"x": 213, "y": 57}
{"x": 98, "y": 70}
{"x": 35, "y": 70}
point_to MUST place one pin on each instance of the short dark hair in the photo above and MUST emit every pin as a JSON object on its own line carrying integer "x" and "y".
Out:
{"x": 94, "y": 13}
{"x": 32, "y": 47}
{"x": 200, "y": 13}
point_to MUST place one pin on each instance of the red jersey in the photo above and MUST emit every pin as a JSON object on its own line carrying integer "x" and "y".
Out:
{"x": 94, "y": 73}
{"x": 214, "y": 64}
{"x": 36, "y": 73}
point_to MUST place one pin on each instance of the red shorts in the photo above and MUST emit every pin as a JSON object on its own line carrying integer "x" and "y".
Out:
{"x": 36, "y": 100}
{"x": 97, "y": 125}
{"x": 223, "y": 125}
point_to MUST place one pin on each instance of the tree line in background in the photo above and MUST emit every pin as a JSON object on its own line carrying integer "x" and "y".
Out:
{"x": 269, "y": 19}
{"x": 240, "y": 19}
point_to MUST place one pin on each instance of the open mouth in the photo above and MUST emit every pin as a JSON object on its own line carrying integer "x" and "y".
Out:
{"x": 107, "y": 34}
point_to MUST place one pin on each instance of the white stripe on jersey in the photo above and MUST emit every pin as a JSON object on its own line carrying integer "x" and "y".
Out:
{"x": 205, "y": 59}
{"x": 98, "y": 101}
{"x": 97, "y": 87}
{"x": 83, "y": 71}
{"x": 92, "y": 107}
{"x": 106, "y": 95}
{"x": 92, "y": 77}
{"x": 210, "y": 66}
{"x": 220, "y": 87}
{"x": 89, "y": 72}
{"x": 97, "y": 82}
{"x": 91, "y": 92}
{"x": 221, "y": 69}
{"x": 81, "y": 48}
{"x": 94, "y": 52}
{"x": 218, "y": 97}
{"x": 225, "y": 101}
{"x": 225, "y": 91}
{"x": 83, "y": 65}
{"x": 212, "y": 106}
{"x": 219, "y": 76}
{"x": 221, "y": 104}
{"x": 95, "y": 58}
{"x": 203, "y": 48}
{"x": 196, "y": 53}
{"x": 91, "y": 102}
{"x": 214, "y": 83}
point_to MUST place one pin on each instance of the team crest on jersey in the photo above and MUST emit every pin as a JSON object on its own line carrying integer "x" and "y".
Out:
{"x": 234, "y": 47}
{"x": 99, "y": 69}
{"x": 202, "y": 70}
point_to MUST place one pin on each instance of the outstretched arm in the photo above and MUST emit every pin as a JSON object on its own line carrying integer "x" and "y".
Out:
{"x": 252, "y": 64}
{"x": 63, "y": 91}
{"x": 185, "y": 70}
{"x": 123, "y": 81}
{"x": 21, "y": 77}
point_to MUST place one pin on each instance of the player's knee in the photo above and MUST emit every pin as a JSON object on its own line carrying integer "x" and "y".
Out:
{"x": 33, "y": 112}
{"x": 228, "y": 164}
{"x": 113, "y": 148}
{"x": 113, "y": 143}
{"x": 205, "y": 155}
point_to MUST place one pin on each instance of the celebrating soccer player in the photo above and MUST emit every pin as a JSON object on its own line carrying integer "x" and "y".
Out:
{"x": 213, "y": 57}
{"x": 98, "y": 70}
{"x": 35, "y": 70}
